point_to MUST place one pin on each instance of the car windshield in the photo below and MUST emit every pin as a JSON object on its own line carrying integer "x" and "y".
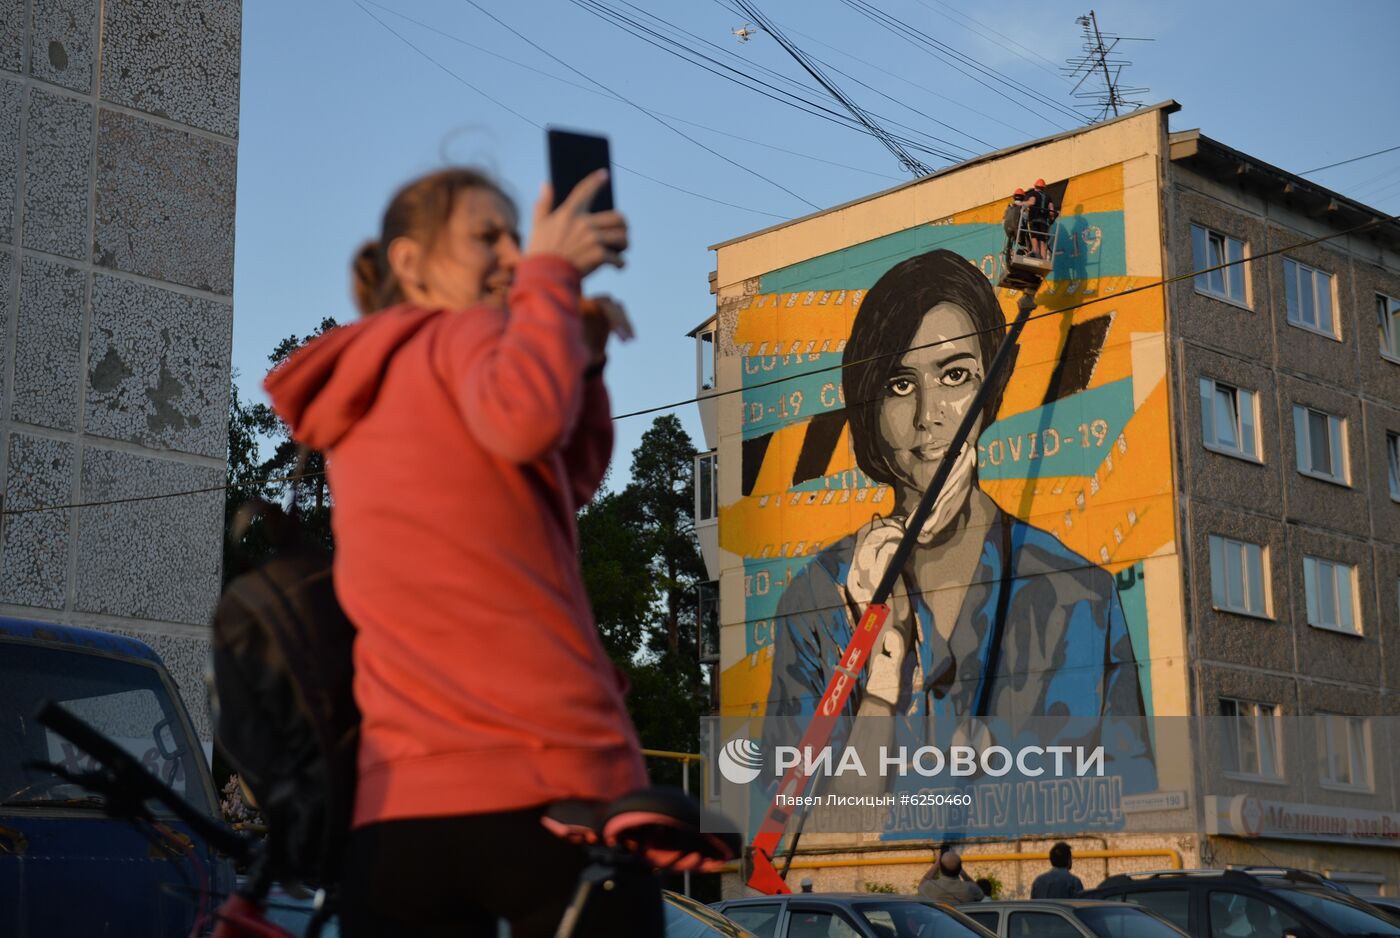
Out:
{"x": 686, "y": 918}
{"x": 126, "y": 701}
{"x": 1340, "y": 912}
{"x": 916, "y": 920}
{"x": 1124, "y": 922}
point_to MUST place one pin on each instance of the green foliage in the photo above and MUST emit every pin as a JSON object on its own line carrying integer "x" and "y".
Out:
{"x": 250, "y": 476}
{"x": 641, "y": 564}
{"x": 882, "y": 888}
{"x": 996, "y": 884}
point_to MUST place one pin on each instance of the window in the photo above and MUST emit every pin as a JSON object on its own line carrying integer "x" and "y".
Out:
{"x": 1211, "y": 249}
{"x": 808, "y": 923}
{"x": 1123, "y": 922}
{"x": 918, "y": 920}
{"x": 1308, "y": 292}
{"x": 1039, "y": 925}
{"x": 1237, "y": 576}
{"x": 1251, "y": 732}
{"x": 705, "y": 358}
{"x": 987, "y": 920}
{"x": 1392, "y": 461}
{"x": 1344, "y": 751}
{"x": 1388, "y": 321}
{"x": 762, "y": 920}
{"x": 707, "y": 488}
{"x": 1235, "y": 915}
{"x": 1228, "y": 419}
{"x": 1174, "y": 905}
{"x": 1331, "y": 593}
{"x": 1321, "y": 443}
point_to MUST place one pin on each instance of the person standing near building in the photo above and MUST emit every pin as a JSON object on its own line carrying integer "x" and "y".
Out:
{"x": 1058, "y": 882}
{"x": 465, "y": 422}
{"x": 946, "y": 882}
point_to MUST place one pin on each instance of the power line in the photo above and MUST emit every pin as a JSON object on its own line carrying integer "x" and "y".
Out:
{"x": 660, "y": 120}
{"x": 699, "y": 195}
{"x": 1164, "y": 282}
{"x": 1048, "y": 65}
{"x": 915, "y": 85}
{"x": 1354, "y": 159}
{"x": 906, "y": 159}
{"x": 594, "y": 91}
{"x": 747, "y": 81}
{"x": 951, "y": 57}
{"x": 769, "y": 71}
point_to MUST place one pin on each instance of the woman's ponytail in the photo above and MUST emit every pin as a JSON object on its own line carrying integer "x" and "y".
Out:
{"x": 368, "y": 275}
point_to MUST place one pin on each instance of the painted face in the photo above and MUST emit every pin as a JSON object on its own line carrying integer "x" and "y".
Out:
{"x": 927, "y": 393}
{"x": 473, "y": 260}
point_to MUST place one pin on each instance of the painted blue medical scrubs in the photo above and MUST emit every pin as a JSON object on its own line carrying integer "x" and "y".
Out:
{"x": 1066, "y": 673}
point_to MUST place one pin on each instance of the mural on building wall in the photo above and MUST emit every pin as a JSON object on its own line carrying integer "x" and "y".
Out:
{"x": 857, "y": 367}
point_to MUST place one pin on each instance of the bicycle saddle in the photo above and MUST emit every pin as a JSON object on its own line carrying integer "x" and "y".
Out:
{"x": 663, "y": 825}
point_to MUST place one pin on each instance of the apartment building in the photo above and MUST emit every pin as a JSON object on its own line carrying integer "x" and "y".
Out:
{"x": 1211, "y": 466}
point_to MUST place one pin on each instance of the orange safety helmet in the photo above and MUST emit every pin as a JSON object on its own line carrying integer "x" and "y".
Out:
{"x": 1020, "y": 191}
{"x": 1040, "y": 183}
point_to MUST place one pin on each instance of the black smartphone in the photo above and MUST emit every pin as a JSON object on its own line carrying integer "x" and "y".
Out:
{"x": 573, "y": 156}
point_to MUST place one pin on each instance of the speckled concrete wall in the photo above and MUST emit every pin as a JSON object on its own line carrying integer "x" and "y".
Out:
{"x": 118, "y": 151}
{"x": 1279, "y": 658}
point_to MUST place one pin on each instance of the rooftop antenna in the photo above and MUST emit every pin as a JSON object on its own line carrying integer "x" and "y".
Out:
{"x": 1101, "y": 62}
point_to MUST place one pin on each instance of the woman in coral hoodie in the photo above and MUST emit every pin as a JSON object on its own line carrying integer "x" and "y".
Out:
{"x": 465, "y": 422}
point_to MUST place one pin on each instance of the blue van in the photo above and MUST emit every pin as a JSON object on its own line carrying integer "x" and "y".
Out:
{"x": 66, "y": 868}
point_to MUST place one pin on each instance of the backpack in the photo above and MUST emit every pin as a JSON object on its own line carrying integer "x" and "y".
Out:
{"x": 282, "y": 700}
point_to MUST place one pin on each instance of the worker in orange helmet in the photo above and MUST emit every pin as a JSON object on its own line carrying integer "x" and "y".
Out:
{"x": 1042, "y": 213}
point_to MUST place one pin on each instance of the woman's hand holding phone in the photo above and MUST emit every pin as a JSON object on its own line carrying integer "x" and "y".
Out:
{"x": 588, "y": 240}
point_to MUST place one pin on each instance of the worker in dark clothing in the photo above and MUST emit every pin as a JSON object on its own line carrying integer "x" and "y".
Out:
{"x": 1058, "y": 882}
{"x": 1042, "y": 215}
{"x": 946, "y": 882}
{"x": 1017, "y": 234}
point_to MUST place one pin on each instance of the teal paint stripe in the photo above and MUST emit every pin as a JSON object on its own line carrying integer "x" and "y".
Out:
{"x": 1070, "y": 437}
{"x": 1090, "y": 246}
{"x": 764, "y": 582}
{"x": 801, "y": 396}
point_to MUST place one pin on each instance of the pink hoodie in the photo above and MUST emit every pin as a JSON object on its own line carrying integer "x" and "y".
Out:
{"x": 460, "y": 445}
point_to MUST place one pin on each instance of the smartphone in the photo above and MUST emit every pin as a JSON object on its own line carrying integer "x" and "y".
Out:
{"x": 572, "y": 156}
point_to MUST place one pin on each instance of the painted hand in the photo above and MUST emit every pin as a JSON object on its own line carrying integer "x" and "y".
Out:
{"x": 953, "y": 497}
{"x": 875, "y": 546}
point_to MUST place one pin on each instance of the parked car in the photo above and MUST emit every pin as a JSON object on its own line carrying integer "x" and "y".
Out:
{"x": 1246, "y": 903}
{"x": 1070, "y": 918}
{"x": 686, "y": 918}
{"x": 849, "y": 915}
{"x": 1388, "y": 905}
{"x": 66, "y": 868}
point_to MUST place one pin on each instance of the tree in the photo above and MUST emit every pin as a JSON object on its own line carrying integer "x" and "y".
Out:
{"x": 662, "y": 493}
{"x": 641, "y": 564}
{"x": 249, "y": 476}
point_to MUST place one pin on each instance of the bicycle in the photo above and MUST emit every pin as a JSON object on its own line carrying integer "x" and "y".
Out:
{"x": 655, "y": 828}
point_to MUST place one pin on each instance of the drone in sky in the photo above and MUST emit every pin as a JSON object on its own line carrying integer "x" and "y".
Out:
{"x": 745, "y": 33}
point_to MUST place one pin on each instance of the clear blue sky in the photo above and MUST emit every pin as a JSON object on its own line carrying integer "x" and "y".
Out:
{"x": 337, "y": 111}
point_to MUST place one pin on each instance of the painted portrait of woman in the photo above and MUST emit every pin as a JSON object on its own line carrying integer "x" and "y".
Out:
{"x": 992, "y": 618}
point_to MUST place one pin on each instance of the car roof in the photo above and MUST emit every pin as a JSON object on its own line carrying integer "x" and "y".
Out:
{"x": 81, "y": 639}
{"x": 1039, "y": 903}
{"x": 832, "y": 897}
